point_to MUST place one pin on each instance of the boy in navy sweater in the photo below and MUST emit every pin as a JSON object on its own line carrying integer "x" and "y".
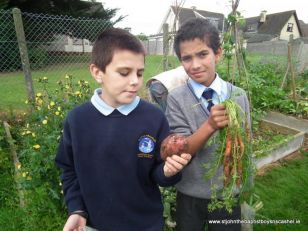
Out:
{"x": 109, "y": 151}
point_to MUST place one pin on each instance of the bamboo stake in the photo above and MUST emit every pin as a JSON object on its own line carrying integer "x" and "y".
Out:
{"x": 285, "y": 76}
{"x": 16, "y": 163}
{"x": 292, "y": 71}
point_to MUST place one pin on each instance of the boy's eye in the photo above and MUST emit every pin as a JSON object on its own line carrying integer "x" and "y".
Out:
{"x": 140, "y": 73}
{"x": 124, "y": 73}
{"x": 202, "y": 54}
{"x": 185, "y": 58}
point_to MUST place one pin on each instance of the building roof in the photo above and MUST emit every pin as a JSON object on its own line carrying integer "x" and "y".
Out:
{"x": 273, "y": 23}
{"x": 188, "y": 13}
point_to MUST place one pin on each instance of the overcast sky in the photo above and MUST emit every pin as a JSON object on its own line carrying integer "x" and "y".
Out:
{"x": 146, "y": 16}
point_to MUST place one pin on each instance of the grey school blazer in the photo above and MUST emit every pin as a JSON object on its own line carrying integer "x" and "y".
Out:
{"x": 185, "y": 114}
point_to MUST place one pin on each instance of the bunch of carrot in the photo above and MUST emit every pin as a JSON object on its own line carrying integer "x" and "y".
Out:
{"x": 233, "y": 153}
{"x": 234, "y": 146}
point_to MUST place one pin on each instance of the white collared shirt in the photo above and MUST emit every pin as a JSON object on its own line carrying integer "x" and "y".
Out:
{"x": 219, "y": 86}
{"x": 106, "y": 109}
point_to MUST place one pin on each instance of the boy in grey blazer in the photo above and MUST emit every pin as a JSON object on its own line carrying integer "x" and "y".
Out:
{"x": 194, "y": 110}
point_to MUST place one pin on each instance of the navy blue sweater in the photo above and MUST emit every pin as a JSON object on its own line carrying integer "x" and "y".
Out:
{"x": 111, "y": 166}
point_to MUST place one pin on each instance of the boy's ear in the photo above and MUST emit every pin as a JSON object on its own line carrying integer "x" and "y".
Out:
{"x": 96, "y": 73}
{"x": 218, "y": 55}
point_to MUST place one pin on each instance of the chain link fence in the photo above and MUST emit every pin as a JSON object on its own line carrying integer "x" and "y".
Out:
{"x": 54, "y": 43}
{"x": 9, "y": 53}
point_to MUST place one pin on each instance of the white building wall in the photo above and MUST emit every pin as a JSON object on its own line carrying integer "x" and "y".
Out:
{"x": 169, "y": 19}
{"x": 284, "y": 35}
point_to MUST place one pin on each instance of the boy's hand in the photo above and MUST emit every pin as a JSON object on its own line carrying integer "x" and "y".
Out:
{"x": 176, "y": 163}
{"x": 218, "y": 117}
{"x": 75, "y": 222}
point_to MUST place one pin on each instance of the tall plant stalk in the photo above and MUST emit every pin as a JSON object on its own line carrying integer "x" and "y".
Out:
{"x": 233, "y": 48}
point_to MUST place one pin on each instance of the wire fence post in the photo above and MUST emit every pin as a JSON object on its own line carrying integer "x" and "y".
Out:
{"x": 16, "y": 163}
{"x": 23, "y": 52}
{"x": 165, "y": 46}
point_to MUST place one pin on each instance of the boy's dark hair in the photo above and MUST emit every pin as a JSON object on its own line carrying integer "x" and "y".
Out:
{"x": 199, "y": 28}
{"x": 111, "y": 40}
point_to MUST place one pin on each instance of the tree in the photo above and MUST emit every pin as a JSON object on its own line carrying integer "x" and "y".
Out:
{"x": 3, "y": 4}
{"x": 79, "y": 19}
{"x": 74, "y": 8}
{"x": 143, "y": 37}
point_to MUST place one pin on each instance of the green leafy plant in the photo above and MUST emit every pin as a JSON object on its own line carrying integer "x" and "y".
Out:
{"x": 169, "y": 200}
{"x": 266, "y": 140}
{"x": 37, "y": 140}
{"x": 234, "y": 153}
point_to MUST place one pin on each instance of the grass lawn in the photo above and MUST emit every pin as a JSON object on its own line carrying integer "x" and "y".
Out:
{"x": 283, "y": 191}
{"x": 13, "y": 90}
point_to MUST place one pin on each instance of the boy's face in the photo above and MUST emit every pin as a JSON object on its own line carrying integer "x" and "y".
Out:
{"x": 122, "y": 78}
{"x": 199, "y": 61}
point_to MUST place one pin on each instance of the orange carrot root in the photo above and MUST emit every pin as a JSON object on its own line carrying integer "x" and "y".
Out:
{"x": 228, "y": 145}
{"x": 227, "y": 160}
{"x": 226, "y": 170}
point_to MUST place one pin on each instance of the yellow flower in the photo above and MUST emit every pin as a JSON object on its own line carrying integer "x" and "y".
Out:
{"x": 39, "y": 94}
{"x": 45, "y": 78}
{"x": 86, "y": 82}
{"x": 33, "y": 134}
{"x": 18, "y": 165}
{"x": 23, "y": 133}
{"x": 67, "y": 86}
{"x": 78, "y": 93}
{"x": 36, "y": 146}
{"x": 59, "y": 108}
{"x": 67, "y": 76}
{"x": 45, "y": 121}
{"x": 57, "y": 113}
{"x": 28, "y": 132}
{"x": 26, "y": 102}
{"x": 24, "y": 174}
{"x": 39, "y": 101}
{"x": 52, "y": 103}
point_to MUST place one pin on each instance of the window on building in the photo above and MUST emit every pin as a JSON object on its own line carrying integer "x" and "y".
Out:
{"x": 250, "y": 28}
{"x": 214, "y": 21}
{"x": 290, "y": 27}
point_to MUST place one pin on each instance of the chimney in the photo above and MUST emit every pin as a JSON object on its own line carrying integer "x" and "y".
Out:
{"x": 263, "y": 16}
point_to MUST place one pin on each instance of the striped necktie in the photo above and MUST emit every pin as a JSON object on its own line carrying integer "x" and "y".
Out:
{"x": 208, "y": 94}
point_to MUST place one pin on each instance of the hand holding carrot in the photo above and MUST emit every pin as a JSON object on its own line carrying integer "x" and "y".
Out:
{"x": 218, "y": 117}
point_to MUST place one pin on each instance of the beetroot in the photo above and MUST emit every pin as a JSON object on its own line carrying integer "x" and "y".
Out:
{"x": 173, "y": 144}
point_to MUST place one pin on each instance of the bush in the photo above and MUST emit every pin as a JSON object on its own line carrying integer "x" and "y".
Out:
{"x": 37, "y": 141}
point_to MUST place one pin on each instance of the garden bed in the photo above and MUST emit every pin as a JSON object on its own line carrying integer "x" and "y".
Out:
{"x": 293, "y": 142}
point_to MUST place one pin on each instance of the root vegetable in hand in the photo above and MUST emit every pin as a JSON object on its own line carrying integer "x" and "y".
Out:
{"x": 174, "y": 144}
